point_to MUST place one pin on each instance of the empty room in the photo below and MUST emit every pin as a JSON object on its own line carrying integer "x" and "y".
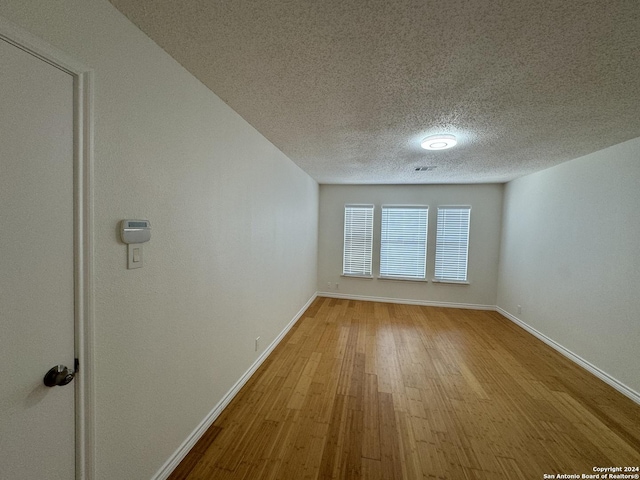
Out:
{"x": 295, "y": 239}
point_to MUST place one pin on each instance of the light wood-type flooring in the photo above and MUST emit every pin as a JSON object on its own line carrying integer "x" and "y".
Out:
{"x": 385, "y": 391}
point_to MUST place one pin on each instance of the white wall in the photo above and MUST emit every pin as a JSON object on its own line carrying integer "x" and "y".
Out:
{"x": 570, "y": 257}
{"x": 484, "y": 241}
{"x": 234, "y": 240}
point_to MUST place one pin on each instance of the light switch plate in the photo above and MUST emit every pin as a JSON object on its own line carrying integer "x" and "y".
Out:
{"x": 134, "y": 254}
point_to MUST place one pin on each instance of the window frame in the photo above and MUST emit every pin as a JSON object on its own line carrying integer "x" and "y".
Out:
{"x": 368, "y": 247}
{"x": 438, "y": 251}
{"x": 424, "y": 209}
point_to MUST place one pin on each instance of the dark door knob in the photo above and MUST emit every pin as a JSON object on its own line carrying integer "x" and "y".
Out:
{"x": 58, "y": 376}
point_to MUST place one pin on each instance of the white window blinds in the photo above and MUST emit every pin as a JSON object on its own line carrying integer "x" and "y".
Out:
{"x": 452, "y": 243}
{"x": 403, "y": 242}
{"x": 358, "y": 240}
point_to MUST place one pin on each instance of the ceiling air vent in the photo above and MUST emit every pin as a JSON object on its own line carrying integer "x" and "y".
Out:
{"x": 425, "y": 169}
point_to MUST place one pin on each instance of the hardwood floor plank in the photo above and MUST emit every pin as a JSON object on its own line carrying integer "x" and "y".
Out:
{"x": 351, "y": 465}
{"x": 371, "y": 420}
{"x": 301, "y": 388}
{"x": 334, "y": 442}
{"x": 389, "y": 446}
{"x": 410, "y": 461}
{"x": 371, "y": 469}
{"x": 366, "y": 390}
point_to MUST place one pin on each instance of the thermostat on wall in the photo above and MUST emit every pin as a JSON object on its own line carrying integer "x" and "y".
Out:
{"x": 134, "y": 233}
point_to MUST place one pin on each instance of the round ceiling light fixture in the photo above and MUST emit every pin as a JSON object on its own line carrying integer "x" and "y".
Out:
{"x": 438, "y": 142}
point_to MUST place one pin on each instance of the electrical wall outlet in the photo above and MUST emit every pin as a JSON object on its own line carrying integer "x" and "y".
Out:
{"x": 519, "y": 309}
{"x": 257, "y": 343}
{"x": 329, "y": 285}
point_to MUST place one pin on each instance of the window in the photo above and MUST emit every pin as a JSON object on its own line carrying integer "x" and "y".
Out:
{"x": 358, "y": 240}
{"x": 452, "y": 244}
{"x": 403, "y": 242}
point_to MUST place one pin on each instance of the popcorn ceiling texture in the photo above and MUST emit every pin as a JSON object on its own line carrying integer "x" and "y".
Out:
{"x": 347, "y": 89}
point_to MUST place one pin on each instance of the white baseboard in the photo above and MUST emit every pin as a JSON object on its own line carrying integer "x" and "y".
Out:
{"x": 604, "y": 376}
{"x": 200, "y": 430}
{"x": 407, "y": 301}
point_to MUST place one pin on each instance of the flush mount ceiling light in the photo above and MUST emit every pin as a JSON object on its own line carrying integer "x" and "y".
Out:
{"x": 438, "y": 142}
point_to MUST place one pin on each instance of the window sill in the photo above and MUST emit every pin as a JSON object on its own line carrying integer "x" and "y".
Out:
{"x": 450, "y": 282}
{"x": 366, "y": 277}
{"x": 404, "y": 279}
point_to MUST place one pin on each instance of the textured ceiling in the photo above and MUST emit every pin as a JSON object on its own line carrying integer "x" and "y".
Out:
{"x": 348, "y": 88}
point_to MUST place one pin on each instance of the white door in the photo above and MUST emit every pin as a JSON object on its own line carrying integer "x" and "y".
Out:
{"x": 37, "y": 432}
